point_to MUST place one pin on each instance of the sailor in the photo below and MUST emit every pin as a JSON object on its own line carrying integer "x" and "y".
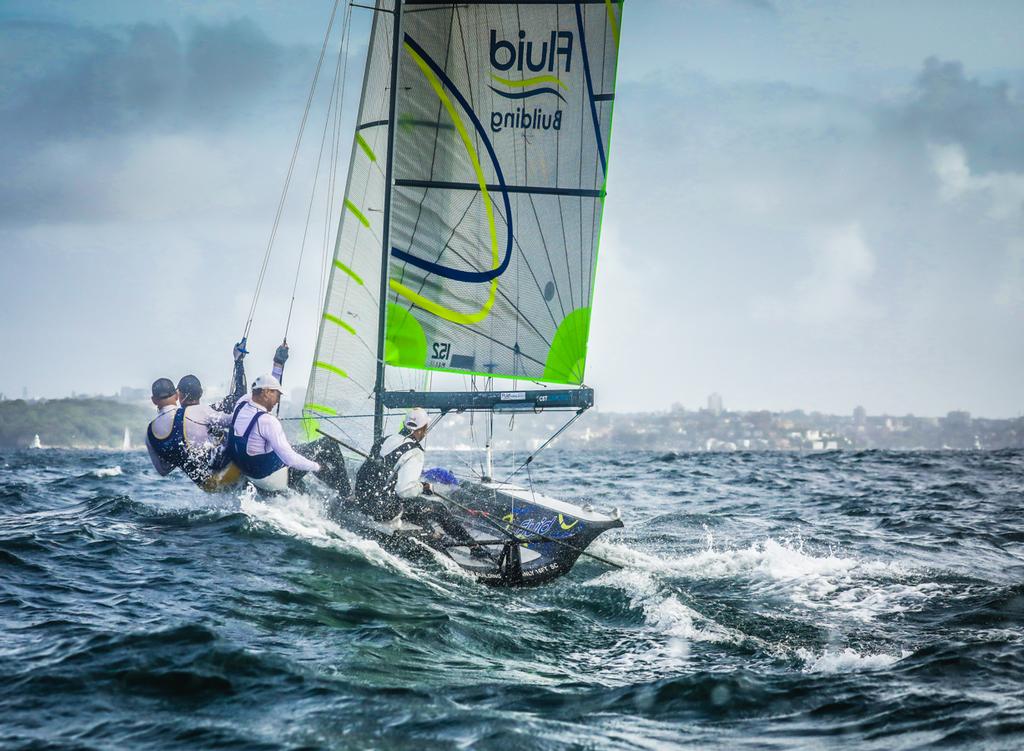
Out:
{"x": 258, "y": 445}
{"x": 188, "y": 435}
{"x": 166, "y": 450}
{"x": 391, "y": 484}
{"x": 404, "y": 455}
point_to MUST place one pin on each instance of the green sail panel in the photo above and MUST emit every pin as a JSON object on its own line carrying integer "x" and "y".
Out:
{"x": 501, "y": 154}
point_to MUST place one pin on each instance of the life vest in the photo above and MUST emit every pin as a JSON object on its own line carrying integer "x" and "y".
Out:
{"x": 208, "y": 466}
{"x": 375, "y": 481}
{"x": 259, "y": 466}
{"x": 172, "y": 448}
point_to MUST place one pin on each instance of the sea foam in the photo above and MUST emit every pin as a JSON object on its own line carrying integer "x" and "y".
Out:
{"x": 845, "y": 661}
{"x": 301, "y": 516}
{"x": 107, "y": 472}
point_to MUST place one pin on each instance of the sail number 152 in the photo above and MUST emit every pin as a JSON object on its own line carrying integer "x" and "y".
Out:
{"x": 442, "y": 350}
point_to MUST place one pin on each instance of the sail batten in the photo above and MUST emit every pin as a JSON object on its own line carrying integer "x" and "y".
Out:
{"x": 531, "y": 189}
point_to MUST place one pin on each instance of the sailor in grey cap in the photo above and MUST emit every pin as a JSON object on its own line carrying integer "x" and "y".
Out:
{"x": 188, "y": 435}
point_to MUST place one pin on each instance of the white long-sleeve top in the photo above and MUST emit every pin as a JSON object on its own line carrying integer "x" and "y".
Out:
{"x": 198, "y": 419}
{"x": 409, "y": 467}
{"x": 267, "y": 436}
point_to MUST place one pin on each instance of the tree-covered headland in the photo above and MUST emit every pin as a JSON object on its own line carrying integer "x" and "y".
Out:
{"x": 80, "y": 422}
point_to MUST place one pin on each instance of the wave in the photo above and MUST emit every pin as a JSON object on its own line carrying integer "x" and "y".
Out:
{"x": 797, "y": 619}
{"x": 845, "y": 585}
{"x": 770, "y": 558}
{"x": 301, "y": 517}
{"x": 845, "y": 661}
{"x": 114, "y": 471}
{"x": 662, "y": 609}
{"x": 188, "y": 662}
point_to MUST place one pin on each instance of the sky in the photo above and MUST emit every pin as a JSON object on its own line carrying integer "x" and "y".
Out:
{"x": 811, "y": 205}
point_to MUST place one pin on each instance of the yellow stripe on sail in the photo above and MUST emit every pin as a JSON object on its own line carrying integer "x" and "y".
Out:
{"x": 528, "y": 81}
{"x": 321, "y": 409}
{"x": 366, "y": 148}
{"x": 339, "y": 322}
{"x": 612, "y": 22}
{"x": 332, "y": 368}
{"x": 358, "y": 279}
{"x": 357, "y": 213}
{"x": 429, "y": 305}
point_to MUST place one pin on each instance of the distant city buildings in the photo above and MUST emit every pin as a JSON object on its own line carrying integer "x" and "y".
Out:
{"x": 131, "y": 395}
{"x": 678, "y": 429}
{"x": 711, "y": 430}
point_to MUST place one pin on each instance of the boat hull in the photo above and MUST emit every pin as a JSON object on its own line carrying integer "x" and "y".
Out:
{"x": 521, "y": 538}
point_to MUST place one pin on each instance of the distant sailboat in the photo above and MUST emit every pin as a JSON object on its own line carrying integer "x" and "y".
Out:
{"x": 126, "y": 444}
{"x": 36, "y": 444}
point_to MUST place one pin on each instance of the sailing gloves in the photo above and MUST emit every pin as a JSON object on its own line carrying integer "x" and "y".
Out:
{"x": 281, "y": 356}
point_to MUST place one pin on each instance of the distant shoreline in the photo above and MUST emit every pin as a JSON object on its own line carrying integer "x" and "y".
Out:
{"x": 89, "y": 423}
{"x": 95, "y": 423}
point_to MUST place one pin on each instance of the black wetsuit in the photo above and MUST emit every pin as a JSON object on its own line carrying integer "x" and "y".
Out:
{"x": 376, "y": 496}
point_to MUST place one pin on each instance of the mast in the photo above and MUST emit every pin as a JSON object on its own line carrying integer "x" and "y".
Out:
{"x": 385, "y": 254}
{"x": 489, "y": 473}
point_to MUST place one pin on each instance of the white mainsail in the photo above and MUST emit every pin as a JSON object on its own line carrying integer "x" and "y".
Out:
{"x": 500, "y": 154}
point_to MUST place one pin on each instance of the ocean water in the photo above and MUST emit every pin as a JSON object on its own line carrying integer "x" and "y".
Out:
{"x": 836, "y": 600}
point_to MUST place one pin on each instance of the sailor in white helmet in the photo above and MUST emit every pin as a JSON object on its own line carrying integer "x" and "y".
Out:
{"x": 390, "y": 484}
{"x": 259, "y": 447}
{"x": 409, "y": 465}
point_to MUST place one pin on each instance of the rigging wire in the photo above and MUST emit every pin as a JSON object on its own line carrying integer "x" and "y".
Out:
{"x": 333, "y": 103}
{"x": 529, "y": 477}
{"x": 332, "y": 199}
{"x": 288, "y": 177}
{"x": 543, "y": 446}
{"x": 331, "y": 419}
{"x": 473, "y": 470}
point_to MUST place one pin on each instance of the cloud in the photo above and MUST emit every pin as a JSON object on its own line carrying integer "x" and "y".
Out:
{"x": 140, "y": 120}
{"x": 780, "y": 229}
{"x": 1003, "y": 191}
{"x": 142, "y": 165}
{"x": 150, "y": 149}
{"x": 1010, "y": 292}
{"x": 833, "y": 288}
{"x": 842, "y": 268}
{"x": 140, "y": 76}
{"x": 948, "y": 107}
